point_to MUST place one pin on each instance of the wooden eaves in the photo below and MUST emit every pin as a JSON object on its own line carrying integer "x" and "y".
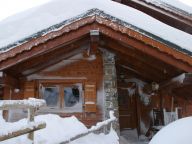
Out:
{"x": 80, "y": 29}
{"x": 167, "y": 14}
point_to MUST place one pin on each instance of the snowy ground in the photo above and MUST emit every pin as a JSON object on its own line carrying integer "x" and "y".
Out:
{"x": 131, "y": 137}
{"x": 57, "y": 130}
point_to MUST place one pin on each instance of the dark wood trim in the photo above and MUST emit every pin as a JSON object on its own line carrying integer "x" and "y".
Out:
{"x": 151, "y": 63}
{"x": 162, "y": 13}
{"x": 169, "y": 59}
{"x": 176, "y": 82}
{"x": 117, "y": 32}
{"x": 46, "y": 59}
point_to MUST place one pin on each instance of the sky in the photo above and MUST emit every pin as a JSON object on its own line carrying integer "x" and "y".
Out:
{"x": 11, "y": 7}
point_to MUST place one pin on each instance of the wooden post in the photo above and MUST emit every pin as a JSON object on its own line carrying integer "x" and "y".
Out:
{"x": 31, "y": 113}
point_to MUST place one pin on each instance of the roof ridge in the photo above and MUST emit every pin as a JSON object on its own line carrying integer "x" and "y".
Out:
{"x": 93, "y": 12}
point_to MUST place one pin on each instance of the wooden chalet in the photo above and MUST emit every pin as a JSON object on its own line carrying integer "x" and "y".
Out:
{"x": 96, "y": 63}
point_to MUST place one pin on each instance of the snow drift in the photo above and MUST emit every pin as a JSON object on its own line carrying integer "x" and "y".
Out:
{"x": 178, "y": 132}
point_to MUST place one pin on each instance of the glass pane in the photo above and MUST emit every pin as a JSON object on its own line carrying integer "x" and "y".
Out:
{"x": 73, "y": 98}
{"x": 51, "y": 96}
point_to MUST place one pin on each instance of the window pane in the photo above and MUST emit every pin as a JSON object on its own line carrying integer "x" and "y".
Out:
{"x": 73, "y": 98}
{"x": 51, "y": 96}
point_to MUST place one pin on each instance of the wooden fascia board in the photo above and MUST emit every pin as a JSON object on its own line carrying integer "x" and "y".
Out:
{"x": 44, "y": 47}
{"x": 149, "y": 50}
{"x": 159, "y": 12}
{"x": 129, "y": 33}
{"x": 42, "y": 39}
{"x": 112, "y": 29}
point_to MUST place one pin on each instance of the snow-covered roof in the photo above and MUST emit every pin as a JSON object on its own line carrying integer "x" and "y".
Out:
{"x": 174, "y": 5}
{"x": 37, "y": 21}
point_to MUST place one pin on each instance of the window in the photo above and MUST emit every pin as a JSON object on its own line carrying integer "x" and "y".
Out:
{"x": 73, "y": 98}
{"x": 51, "y": 96}
{"x": 63, "y": 97}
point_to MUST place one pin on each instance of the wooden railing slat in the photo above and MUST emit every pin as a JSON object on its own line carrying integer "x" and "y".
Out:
{"x": 22, "y": 132}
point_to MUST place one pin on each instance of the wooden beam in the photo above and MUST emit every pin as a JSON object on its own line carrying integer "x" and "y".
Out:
{"x": 111, "y": 29}
{"x": 163, "y": 13}
{"x": 138, "y": 70}
{"x": 46, "y": 47}
{"x": 44, "y": 60}
{"x": 31, "y": 128}
{"x": 165, "y": 69}
{"x": 129, "y": 73}
{"x": 176, "y": 82}
{"x": 140, "y": 67}
{"x": 183, "y": 91}
{"x": 145, "y": 48}
{"x": 137, "y": 65}
{"x": 10, "y": 81}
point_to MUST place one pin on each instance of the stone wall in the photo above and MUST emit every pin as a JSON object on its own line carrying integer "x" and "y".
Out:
{"x": 110, "y": 87}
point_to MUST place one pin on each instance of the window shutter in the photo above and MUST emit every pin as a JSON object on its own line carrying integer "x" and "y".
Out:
{"x": 90, "y": 97}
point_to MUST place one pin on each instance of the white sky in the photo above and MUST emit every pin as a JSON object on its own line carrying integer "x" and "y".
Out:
{"x": 10, "y": 7}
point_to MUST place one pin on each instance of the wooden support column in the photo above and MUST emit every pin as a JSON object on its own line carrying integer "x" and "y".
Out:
{"x": 31, "y": 114}
{"x": 110, "y": 87}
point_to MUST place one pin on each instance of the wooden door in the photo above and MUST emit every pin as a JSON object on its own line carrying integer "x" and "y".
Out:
{"x": 127, "y": 110}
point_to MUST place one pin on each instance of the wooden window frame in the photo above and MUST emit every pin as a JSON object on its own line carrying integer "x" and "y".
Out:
{"x": 61, "y": 85}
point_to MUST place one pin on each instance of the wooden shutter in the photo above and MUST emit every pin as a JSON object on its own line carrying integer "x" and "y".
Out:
{"x": 90, "y": 97}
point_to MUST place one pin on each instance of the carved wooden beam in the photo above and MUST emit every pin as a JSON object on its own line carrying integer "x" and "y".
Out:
{"x": 176, "y": 82}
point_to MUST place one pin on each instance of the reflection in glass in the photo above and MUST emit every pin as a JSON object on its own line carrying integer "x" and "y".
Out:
{"x": 51, "y": 96}
{"x": 73, "y": 98}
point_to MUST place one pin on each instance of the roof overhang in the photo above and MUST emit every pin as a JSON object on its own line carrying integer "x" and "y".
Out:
{"x": 163, "y": 12}
{"x": 108, "y": 26}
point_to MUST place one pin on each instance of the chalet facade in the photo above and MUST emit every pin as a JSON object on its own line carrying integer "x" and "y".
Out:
{"x": 95, "y": 62}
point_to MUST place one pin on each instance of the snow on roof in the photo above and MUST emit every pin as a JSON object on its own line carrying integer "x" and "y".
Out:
{"x": 180, "y": 6}
{"x": 19, "y": 28}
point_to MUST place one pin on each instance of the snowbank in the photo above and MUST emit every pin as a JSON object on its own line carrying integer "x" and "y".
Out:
{"x": 26, "y": 24}
{"x": 57, "y": 130}
{"x": 178, "y": 132}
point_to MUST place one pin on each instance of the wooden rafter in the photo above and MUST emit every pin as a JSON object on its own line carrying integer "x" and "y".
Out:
{"x": 147, "y": 60}
{"x": 44, "y": 60}
{"x": 121, "y": 69}
{"x": 146, "y": 48}
{"x": 140, "y": 70}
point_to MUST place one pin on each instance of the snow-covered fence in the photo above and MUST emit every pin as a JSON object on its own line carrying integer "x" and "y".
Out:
{"x": 99, "y": 126}
{"x": 32, "y": 105}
